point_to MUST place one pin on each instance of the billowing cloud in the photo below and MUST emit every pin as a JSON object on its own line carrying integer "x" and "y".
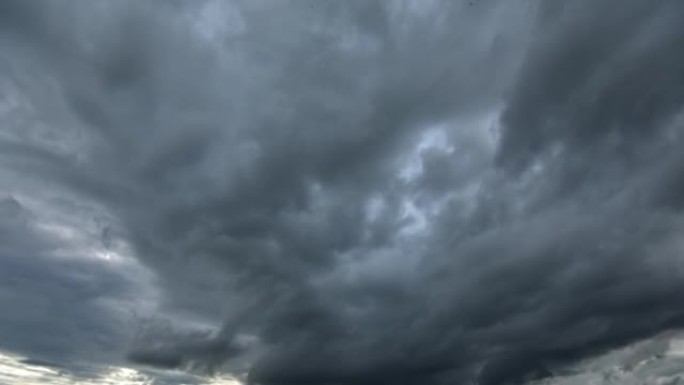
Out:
{"x": 346, "y": 192}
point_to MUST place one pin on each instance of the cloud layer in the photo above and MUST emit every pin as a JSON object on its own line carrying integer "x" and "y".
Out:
{"x": 345, "y": 192}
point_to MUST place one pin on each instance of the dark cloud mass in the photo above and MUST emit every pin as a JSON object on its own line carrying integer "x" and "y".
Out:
{"x": 353, "y": 192}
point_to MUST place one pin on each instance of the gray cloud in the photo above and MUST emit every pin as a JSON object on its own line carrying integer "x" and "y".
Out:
{"x": 56, "y": 304}
{"x": 359, "y": 192}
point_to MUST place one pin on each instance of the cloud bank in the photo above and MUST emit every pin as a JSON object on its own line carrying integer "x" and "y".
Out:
{"x": 348, "y": 192}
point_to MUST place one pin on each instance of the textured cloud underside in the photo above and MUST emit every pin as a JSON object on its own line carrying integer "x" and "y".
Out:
{"x": 353, "y": 192}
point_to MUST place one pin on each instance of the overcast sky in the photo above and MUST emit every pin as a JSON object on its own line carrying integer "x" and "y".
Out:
{"x": 341, "y": 192}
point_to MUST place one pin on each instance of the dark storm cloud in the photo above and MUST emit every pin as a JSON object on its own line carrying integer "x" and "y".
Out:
{"x": 605, "y": 87}
{"x": 320, "y": 180}
{"x": 56, "y": 307}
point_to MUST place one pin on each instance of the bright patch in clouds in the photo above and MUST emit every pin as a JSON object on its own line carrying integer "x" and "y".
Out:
{"x": 15, "y": 370}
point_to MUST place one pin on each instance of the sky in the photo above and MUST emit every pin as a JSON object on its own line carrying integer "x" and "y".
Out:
{"x": 358, "y": 192}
